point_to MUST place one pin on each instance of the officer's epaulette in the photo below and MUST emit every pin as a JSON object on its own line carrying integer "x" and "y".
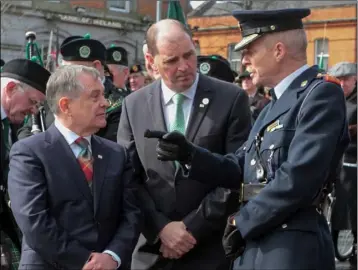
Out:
{"x": 328, "y": 78}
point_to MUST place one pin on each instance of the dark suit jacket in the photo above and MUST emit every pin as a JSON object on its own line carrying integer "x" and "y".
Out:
{"x": 302, "y": 144}
{"x": 61, "y": 221}
{"x": 221, "y": 126}
{"x": 109, "y": 131}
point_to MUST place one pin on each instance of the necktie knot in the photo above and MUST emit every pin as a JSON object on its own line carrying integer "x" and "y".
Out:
{"x": 178, "y": 99}
{"x": 82, "y": 142}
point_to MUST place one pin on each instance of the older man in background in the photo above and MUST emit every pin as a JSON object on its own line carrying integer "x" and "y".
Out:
{"x": 77, "y": 210}
{"x": 23, "y": 87}
{"x": 344, "y": 214}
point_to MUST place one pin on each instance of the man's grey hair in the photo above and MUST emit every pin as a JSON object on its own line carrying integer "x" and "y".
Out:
{"x": 64, "y": 82}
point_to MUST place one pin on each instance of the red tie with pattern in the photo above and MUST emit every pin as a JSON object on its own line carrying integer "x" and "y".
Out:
{"x": 85, "y": 159}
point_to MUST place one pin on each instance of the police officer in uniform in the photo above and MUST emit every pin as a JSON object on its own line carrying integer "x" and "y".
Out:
{"x": 23, "y": 85}
{"x": 215, "y": 66}
{"x": 117, "y": 62}
{"x": 256, "y": 99}
{"x": 344, "y": 215}
{"x": 88, "y": 52}
{"x": 290, "y": 156}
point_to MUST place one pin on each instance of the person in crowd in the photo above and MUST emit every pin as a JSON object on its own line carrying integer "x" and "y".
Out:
{"x": 290, "y": 159}
{"x": 215, "y": 66}
{"x": 77, "y": 210}
{"x": 136, "y": 77}
{"x": 344, "y": 214}
{"x": 88, "y": 52}
{"x": 23, "y": 87}
{"x": 257, "y": 100}
{"x": 183, "y": 219}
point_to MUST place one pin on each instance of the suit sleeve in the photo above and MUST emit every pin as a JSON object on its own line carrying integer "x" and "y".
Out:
{"x": 154, "y": 219}
{"x": 30, "y": 206}
{"x": 297, "y": 181}
{"x": 214, "y": 209}
{"x": 126, "y": 237}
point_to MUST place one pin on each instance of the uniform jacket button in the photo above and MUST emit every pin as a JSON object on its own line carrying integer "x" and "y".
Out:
{"x": 284, "y": 226}
{"x": 272, "y": 146}
{"x": 253, "y": 162}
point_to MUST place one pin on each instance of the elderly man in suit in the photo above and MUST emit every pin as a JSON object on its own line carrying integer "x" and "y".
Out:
{"x": 23, "y": 86}
{"x": 71, "y": 191}
{"x": 184, "y": 220}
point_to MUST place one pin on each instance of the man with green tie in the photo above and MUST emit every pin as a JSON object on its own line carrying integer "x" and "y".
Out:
{"x": 23, "y": 87}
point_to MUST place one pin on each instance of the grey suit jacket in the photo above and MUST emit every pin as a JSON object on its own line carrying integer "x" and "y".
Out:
{"x": 222, "y": 126}
{"x": 61, "y": 221}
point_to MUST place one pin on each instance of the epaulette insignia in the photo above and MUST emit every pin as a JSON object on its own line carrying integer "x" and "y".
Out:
{"x": 329, "y": 78}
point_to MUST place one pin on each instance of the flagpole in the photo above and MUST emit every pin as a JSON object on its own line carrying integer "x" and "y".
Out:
{"x": 159, "y": 10}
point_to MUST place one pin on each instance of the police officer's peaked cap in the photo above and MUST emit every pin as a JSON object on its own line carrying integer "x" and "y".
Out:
{"x": 255, "y": 23}
{"x": 117, "y": 55}
{"x": 135, "y": 68}
{"x": 343, "y": 69}
{"x": 28, "y": 72}
{"x": 2, "y": 62}
{"x": 77, "y": 48}
{"x": 215, "y": 66}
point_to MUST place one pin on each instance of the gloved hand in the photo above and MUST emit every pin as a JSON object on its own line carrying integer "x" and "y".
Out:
{"x": 233, "y": 243}
{"x": 174, "y": 146}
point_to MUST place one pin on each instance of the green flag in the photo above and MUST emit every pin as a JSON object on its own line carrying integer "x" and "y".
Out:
{"x": 176, "y": 12}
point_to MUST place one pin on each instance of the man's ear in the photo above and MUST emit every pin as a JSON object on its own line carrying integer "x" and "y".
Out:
{"x": 64, "y": 105}
{"x": 97, "y": 65}
{"x": 10, "y": 89}
{"x": 280, "y": 51}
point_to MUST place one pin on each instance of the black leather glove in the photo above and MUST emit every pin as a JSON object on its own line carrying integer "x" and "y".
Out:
{"x": 233, "y": 243}
{"x": 174, "y": 146}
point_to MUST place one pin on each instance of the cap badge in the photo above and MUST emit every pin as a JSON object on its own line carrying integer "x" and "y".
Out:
{"x": 272, "y": 27}
{"x": 85, "y": 51}
{"x": 117, "y": 56}
{"x": 135, "y": 68}
{"x": 204, "y": 68}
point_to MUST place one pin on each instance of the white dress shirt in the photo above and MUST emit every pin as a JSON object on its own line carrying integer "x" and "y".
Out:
{"x": 282, "y": 86}
{"x": 169, "y": 107}
{"x": 71, "y": 137}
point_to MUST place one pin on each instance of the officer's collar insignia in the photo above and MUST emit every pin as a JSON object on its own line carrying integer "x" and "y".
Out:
{"x": 117, "y": 56}
{"x": 85, "y": 51}
{"x": 204, "y": 68}
{"x": 304, "y": 83}
{"x": 274, "y": 126}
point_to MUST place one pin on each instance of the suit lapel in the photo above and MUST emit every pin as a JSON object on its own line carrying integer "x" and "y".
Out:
{"x": 99, "y": 168}
{"x": 289, "y": 97}
{"x": 155, "y": 107}
{"x": 201, "y": 103}
{"x": 58, "y": 146}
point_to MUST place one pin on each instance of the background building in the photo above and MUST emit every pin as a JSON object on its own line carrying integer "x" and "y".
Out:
{"x": 331, "y": 29}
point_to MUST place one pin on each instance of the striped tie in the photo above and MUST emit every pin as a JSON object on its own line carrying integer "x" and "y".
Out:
{"x": 85, "y": 159}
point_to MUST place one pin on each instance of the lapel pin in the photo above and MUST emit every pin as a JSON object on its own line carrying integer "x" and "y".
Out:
{"x": 201, "y": 105}
{"x": 304, "y": 83}
{"x": 205, "y": 101}
{"x": 100, "y": 156}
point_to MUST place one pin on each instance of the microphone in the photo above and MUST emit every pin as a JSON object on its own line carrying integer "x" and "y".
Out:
{"x": 154, "y": 134}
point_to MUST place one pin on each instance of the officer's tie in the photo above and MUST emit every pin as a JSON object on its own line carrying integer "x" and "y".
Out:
{"x": 85, "y": 159}
{"x": 6, "y": 128}
{"x": 273, "y": 94}
{"x": 179, "y": 121}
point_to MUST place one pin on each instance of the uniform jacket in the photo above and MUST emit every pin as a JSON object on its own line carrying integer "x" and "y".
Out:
{"x": 222, "y": 125}
{"x": 109, "y": 132}
{"x": 300, "y": 149}
{"x": 61, "y": 221}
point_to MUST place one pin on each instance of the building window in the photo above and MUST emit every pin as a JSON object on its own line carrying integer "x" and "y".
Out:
{"x": 234, "y": 57}
{"x": 321, "y": 53}
{"x": 119, "y": 5}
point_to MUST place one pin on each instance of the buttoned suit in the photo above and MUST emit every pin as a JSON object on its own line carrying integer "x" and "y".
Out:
{"x": 302, "y": 136}
{"x": 220, "y": 121}
{"x": 62, "y": 222}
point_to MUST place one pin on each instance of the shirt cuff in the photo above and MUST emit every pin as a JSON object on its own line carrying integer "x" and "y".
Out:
{"x": 114, "y": 256}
